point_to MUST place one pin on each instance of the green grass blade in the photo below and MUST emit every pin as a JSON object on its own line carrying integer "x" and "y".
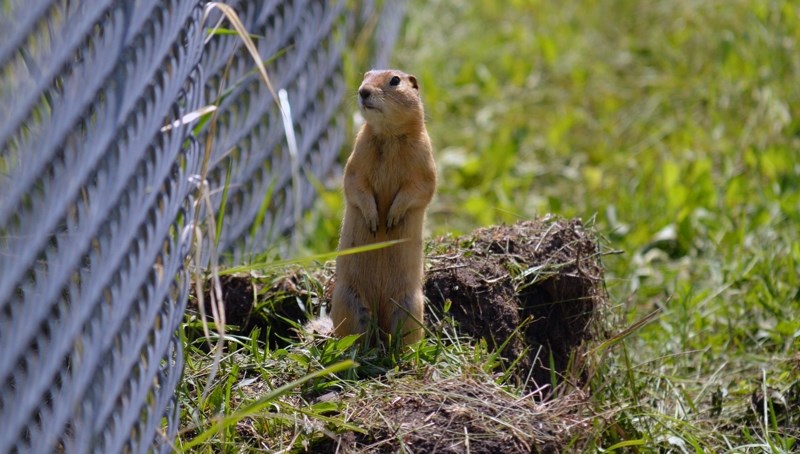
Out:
{"x": 223, "y": 203}
{"x": 308, "y": 259}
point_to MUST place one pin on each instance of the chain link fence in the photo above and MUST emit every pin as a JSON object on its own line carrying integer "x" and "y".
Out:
{"x": 98, "y": 184}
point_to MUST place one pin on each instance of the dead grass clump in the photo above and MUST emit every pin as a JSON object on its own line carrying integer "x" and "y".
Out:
{"x": 459, "y": 414}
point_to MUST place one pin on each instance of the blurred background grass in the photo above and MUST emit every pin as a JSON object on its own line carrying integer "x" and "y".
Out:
{"x": 673, "y": 127}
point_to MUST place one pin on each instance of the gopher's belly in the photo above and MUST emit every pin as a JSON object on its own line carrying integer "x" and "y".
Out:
{"x": 385, "y": 274}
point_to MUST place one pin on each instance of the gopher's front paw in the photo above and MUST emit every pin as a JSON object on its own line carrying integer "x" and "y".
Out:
{"x": 372, "y": 222}
{"x": 394, "y": 218}
{"x": 370, "y": 214}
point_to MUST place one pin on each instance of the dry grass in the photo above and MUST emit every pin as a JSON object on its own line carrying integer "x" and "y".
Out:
{"x": 464, "y": 413}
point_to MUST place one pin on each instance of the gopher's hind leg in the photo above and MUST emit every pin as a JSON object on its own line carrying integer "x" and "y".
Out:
{"x": 350, "y": 315}
{"x": 405, "y": 321}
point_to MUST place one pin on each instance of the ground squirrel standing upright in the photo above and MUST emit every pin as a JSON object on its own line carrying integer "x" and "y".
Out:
{"x": 389, "y": 180}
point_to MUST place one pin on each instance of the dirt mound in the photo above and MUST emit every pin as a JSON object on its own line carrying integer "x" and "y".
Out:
{"x": 536, "y": 284}
{"x": 533, "y": 290}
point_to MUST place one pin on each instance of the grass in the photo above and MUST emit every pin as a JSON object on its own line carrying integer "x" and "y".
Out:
{"x": 676, "y": 127}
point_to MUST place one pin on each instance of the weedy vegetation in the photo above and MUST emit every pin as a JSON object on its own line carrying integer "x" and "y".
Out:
{"x": 675, "y": 128}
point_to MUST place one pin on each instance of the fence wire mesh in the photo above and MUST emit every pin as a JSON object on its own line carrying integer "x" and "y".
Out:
{"x": 97, "y": 197}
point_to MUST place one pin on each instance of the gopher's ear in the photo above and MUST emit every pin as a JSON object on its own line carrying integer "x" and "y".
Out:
{"x": 413, "y": 81}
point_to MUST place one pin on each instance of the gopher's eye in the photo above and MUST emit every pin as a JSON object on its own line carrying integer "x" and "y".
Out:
{"x": 395, "y": 81}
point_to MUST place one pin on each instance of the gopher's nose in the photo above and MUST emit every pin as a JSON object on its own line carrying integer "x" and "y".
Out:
{"x": 364, "y": 92}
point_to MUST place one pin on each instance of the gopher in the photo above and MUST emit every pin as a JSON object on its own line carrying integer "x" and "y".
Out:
{"x": 389, "y": 180}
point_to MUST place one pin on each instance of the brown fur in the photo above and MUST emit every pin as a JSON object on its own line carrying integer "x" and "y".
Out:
{"x": 389, "y": 180}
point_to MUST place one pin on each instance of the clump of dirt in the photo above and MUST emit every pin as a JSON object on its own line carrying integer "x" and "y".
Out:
{"x": 238, "y": 293}
{"x": 536, "y": 284}
{"x": 455, "y": 415}
{"x": 275, "y": 304}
